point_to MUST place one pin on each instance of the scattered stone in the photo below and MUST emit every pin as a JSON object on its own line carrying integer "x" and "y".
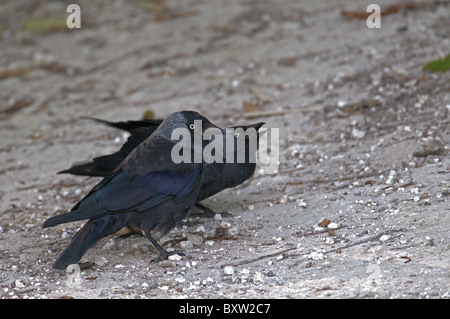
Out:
{"x": 195, "y": 239}
{"x": 258, "y": 278}
{"x": 200, "y": 229}
{"x": 315, "y": 255}
{"x": 209, "y": 243}
{"x": 100, "y": 260}
{"x": 175, "y": 257}
{"x": 186, "y": 244}
{"x": 228, "y": 270}
{"x": 333, "y": 225}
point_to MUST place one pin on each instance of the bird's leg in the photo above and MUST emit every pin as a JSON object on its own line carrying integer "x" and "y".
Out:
{"x": 208, "y": 212}
{"x": 163, "y": 254}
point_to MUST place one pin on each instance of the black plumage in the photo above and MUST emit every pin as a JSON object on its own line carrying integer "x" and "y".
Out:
{"x": 218, "y": 176}
{"x": 147, "y": 190}
{"x": 104, "y": 165}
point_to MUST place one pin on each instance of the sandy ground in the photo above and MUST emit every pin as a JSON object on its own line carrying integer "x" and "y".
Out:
{"x": 359, "y": 207}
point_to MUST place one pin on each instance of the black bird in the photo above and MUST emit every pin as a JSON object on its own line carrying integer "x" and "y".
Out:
{"x": 146, "y": 191}
{"x": 230, "y": 174}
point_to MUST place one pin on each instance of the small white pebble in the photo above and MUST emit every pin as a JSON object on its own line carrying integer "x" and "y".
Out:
{"x": 316, "y": 255}
{"x": 200, "y": 229}
{"x": 333, "y": 225}
{"x": 258, "y": 278}
{"x": 228, "y": 270}
{"x": 175, "y": 257}
{"x": 209, "y": 243}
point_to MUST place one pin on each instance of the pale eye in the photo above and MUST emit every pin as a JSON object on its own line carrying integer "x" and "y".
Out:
{"x": 236, "y": 134}
{"x": 192, "y": 126}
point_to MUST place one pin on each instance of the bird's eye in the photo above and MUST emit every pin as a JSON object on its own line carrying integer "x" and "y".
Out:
{"x": 192, "y": 126}
{"x": 236, "y": 134}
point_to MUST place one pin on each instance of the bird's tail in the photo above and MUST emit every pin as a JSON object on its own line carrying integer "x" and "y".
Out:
{"x": 91, "y": 232}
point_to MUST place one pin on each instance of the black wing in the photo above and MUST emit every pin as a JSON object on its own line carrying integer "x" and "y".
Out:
{"x": 145, "y": 179}
{"x": 128, "y": 125}
{"x": 104, "y": 165}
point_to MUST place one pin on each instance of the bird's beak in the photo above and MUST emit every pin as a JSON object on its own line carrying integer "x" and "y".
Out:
{"x": 208, "y": 124}
{"x": 257, "y": 125}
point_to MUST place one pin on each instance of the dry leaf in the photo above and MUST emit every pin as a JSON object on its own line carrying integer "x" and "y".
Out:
{"x": 16, "y": 72}
{"x": 324, "y": 223}
{"x": 250, "y": 107}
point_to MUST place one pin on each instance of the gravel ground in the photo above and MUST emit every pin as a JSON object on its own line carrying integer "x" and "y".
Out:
{"x": 359, "y": 207}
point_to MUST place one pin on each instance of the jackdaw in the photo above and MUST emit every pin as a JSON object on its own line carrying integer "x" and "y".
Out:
{"x": 230, "y": 174}
{"x": 146, "y": 191}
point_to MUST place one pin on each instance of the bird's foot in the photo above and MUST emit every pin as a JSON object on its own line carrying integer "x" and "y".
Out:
{"x": 164, "y": 255}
